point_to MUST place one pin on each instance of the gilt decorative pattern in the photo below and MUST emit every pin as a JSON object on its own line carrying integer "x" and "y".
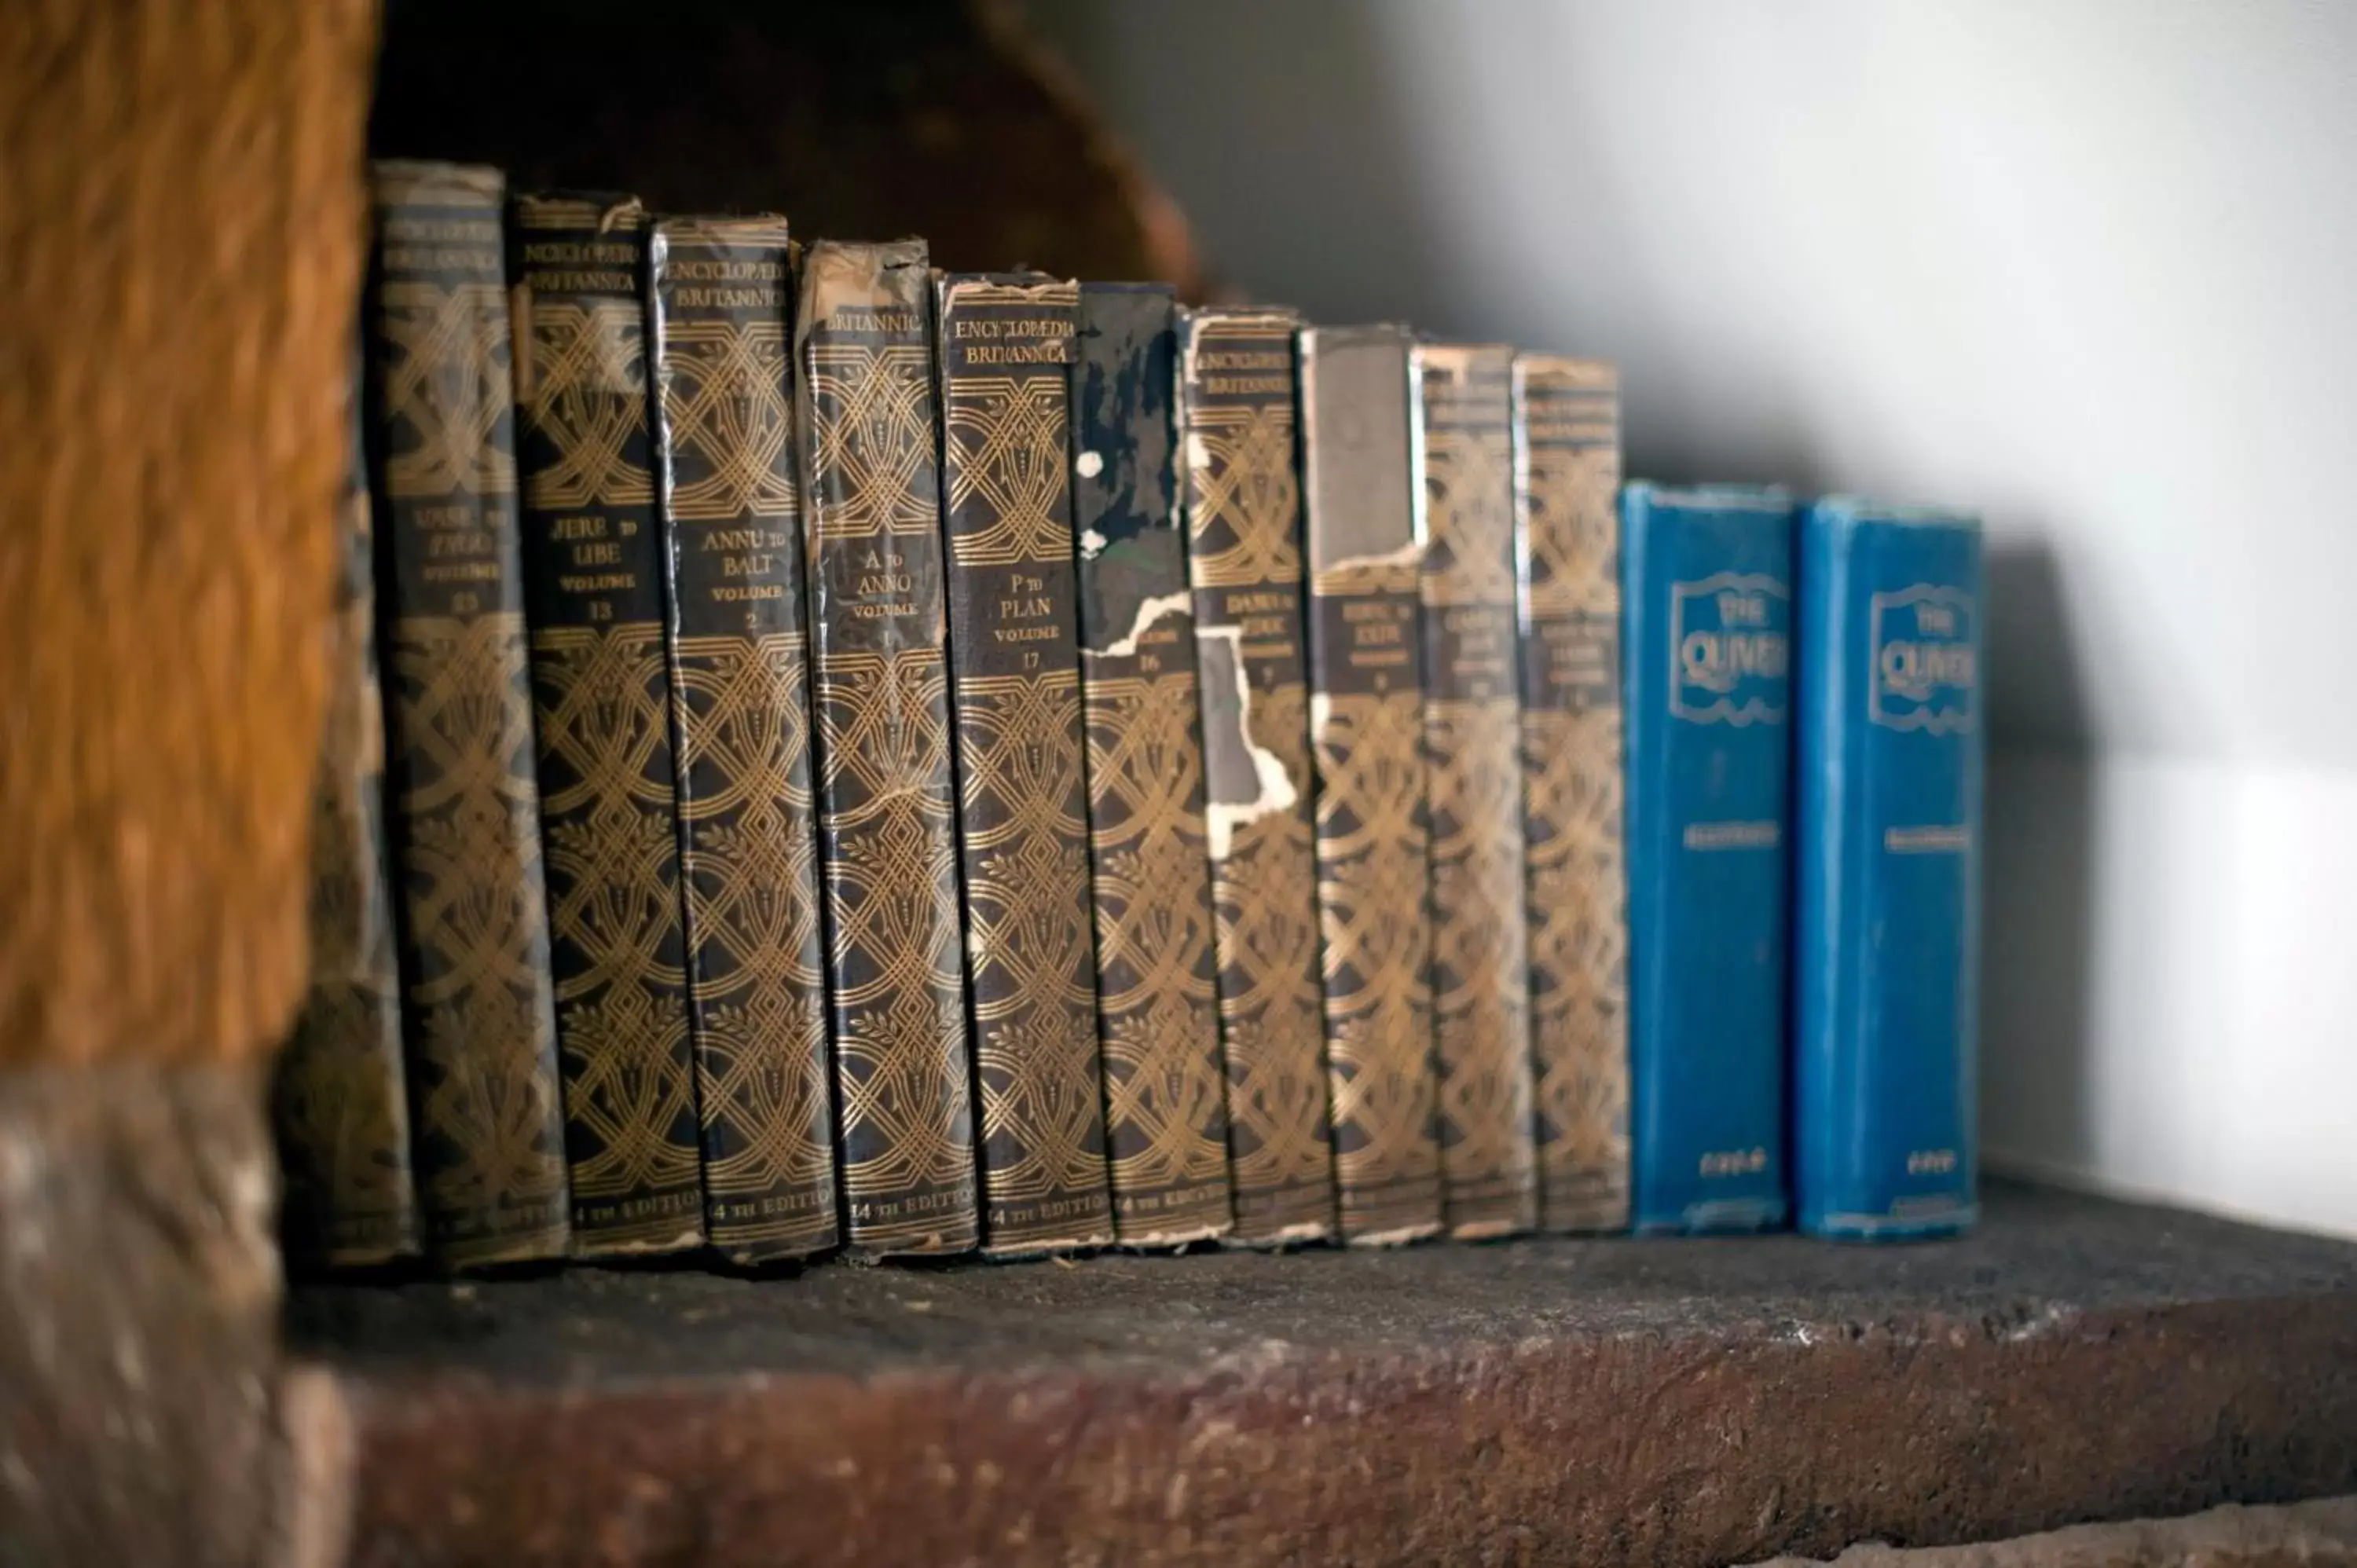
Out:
{"x": 1472, "y": 738}
{"x": 1372, "y": 890}
{"x": 470, "y": 901}
{"x": 1165, "y": 1109}
{"x": 865, "y": 429}
{"x": 1006, "y": 346}
{"x": 1157, "y": 1000}
{"x": 595, "y": 573}
{"x": 748, "y": 864}
{"x": 1567, "y": 457}
{"x": 1244, "y": 525}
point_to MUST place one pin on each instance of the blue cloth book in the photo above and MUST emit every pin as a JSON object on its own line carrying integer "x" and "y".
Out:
{"x": 1889, "y": 828}
{"x": 1706, "y": 579}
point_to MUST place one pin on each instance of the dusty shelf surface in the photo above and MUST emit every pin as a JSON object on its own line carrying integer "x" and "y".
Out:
{"x": 1538, "y": 1401}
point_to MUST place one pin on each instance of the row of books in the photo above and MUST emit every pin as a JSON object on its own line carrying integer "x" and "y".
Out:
{"x": 916, "y": 763}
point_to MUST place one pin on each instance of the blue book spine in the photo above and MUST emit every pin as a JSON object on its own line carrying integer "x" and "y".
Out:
{"x": 1706, "y": 579}
{"x": 1890, "y": 832}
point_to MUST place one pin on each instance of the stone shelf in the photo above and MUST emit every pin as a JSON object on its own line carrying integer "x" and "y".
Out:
{"x": 1539, "y": 1400}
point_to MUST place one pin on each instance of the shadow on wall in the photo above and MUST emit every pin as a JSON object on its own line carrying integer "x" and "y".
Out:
{"x": 2038, "y": 912}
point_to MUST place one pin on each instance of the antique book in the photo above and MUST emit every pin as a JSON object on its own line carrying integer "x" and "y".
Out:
{"x": 1364, "y": 536}
{"x": 871, "y": 511}
{"x": 1472, "y": 730}
{"x": 1567, "y": 522}
{"x": 1006, "y": 353}
{"x": 1886, "y": 946}
{"x": 1158, "y": 1003}
{"x": 470, "y": 906}
{"x": 1706, "y": 578}
{"x": 594, "y": 571}
{"x": 720, "y": 308}
{"x": 339, "y": 1100}
{"x": 1243, "y": 530}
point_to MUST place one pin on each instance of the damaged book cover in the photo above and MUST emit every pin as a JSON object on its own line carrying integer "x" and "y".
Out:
{"x": 1365, "y": 542}
{"x": 1243, "y": 532}
{"x": 1158, "y": 1009}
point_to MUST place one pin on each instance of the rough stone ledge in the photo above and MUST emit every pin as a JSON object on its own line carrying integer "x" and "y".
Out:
{"x": 1540, "y": 1401}
{"x": 2322, "y": 1534}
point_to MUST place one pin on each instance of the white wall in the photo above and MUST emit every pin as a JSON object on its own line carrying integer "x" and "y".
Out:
{"x": 2090, "y": 266}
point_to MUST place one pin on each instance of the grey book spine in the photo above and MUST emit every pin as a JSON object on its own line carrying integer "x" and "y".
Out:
{"x": 1365, "y": 541}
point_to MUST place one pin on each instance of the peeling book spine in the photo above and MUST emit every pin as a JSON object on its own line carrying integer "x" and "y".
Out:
{"x": 1243, "y": 532}
{"x": 1158, "y": 1009}
{"x": 1364, "y": 534}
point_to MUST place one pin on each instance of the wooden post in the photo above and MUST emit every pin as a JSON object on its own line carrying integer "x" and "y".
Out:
{"x": 180, "y": 242}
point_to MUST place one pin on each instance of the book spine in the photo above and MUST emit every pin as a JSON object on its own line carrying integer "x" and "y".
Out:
{"x": 1365, "y": 543}
{"x": 1472, "y": 727}
{"x": 1006, "y": 352}
{"x": 1707, "y": 580}
{"x": 1244, "y": 534}
{"x": 472, "y": 908}
{"x": 1158, "y": 1009}
{"x": 864, "y": 428}
{"x": 338, "y": 1096}
{"x": 1890, "y": 824}
{"x": 595, "y": 576}
{"x": 720, "y": 308}
{"x": 1567, "y": 485}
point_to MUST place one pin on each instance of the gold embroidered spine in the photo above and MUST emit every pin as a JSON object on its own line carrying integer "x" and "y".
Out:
{"x": 338, "y": 1097}
{"x": 594, "y": 571}
{"x": 1366, "y": 732}
{"x": 1472, "y": 740}
{"x": 864, "y": 422}
{"x": 1566, "y": 486}
{"x": 1243, "y": 527}
{"x": 471, "y": 909}
{"x": 1006, "y": 351}
{"x": 1158, "y": 1009}
{"x": 720, "y": 306}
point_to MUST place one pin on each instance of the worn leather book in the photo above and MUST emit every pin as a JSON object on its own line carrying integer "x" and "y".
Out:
{"x": 1242, "y": 505}
{"x": 470, "y": 906}
{"x": 339, "y": 1100}
{"x": 601, "y": 684}
{"x": 1472, "y": 729}
{"x": 1885, "y": 1049}
{"x": 864, "y": 414}
{"x": 1006, "y": 353}
{"x": 720, "y": 311}
{"x": 1158, "y": 1007}
{"x": 1707, "y": 575}
{"x": 1365, "y": 541}
{"x": 1567, "y": 514}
